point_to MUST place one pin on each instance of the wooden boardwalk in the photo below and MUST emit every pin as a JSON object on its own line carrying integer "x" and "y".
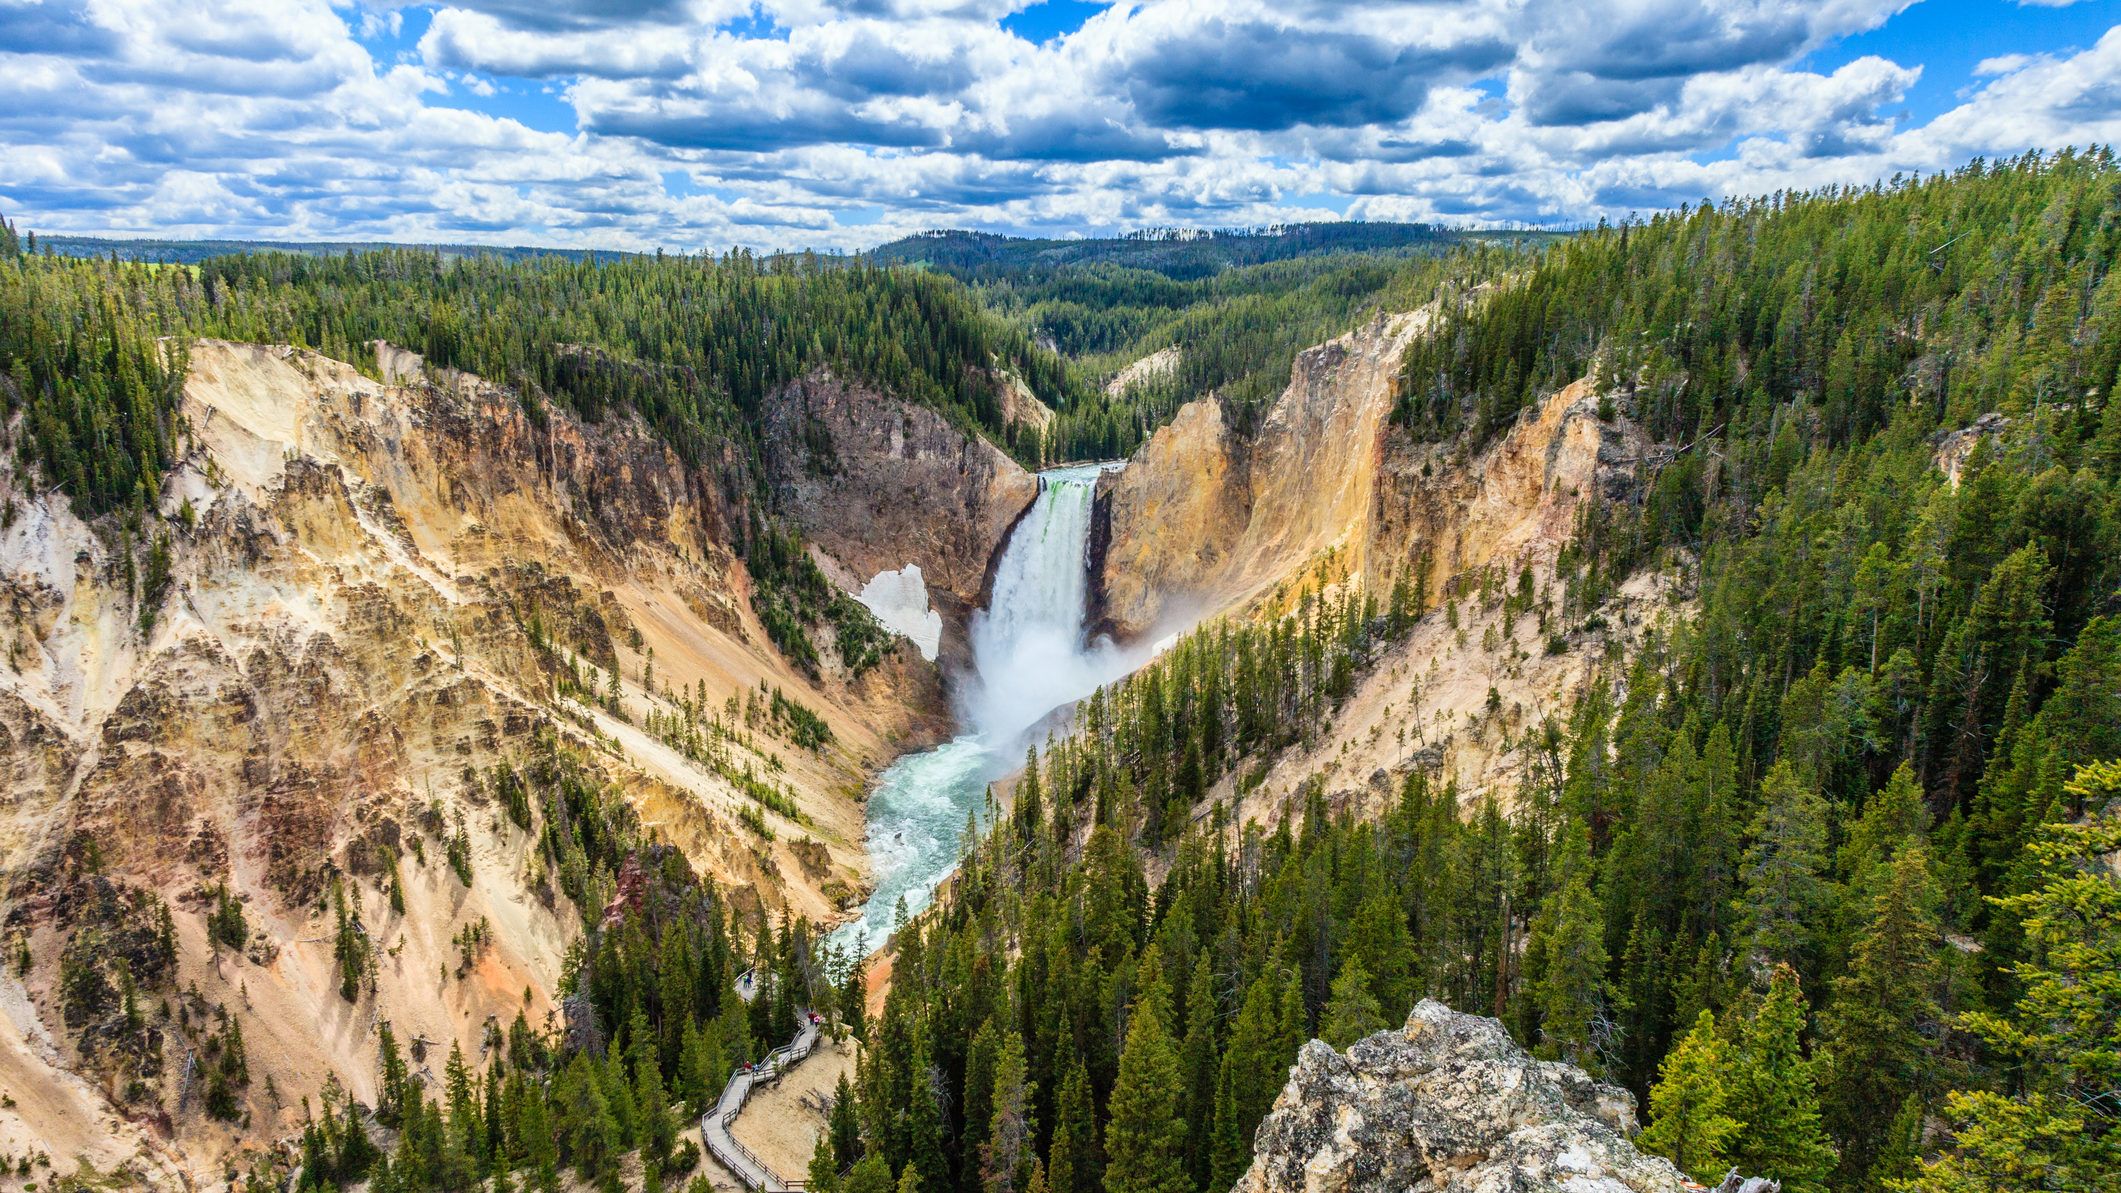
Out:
{"x": 714, "y": 1125}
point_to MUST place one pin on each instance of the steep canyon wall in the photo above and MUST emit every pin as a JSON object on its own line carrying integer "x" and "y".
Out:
{"x": 1209, "y": 520}
{"x": 373, "y": 590}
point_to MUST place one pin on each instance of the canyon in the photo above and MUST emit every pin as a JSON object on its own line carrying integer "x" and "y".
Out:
{"x": 1327, "y": 494}
{"x": 376, "y": 583}
{"x": 381, "y": 577}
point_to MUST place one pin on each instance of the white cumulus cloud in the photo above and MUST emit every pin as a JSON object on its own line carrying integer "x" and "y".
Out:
{"x": 786, "y": 123}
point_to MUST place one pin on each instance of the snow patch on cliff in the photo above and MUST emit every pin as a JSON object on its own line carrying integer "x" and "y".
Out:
{"x": 900, "y": 600}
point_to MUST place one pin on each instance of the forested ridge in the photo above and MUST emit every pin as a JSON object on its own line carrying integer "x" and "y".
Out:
{"x": 191, "y": 252}
{"x": 692, "y": 345}
{"x": 1182, "y": 254}
{"x": 1823, "y": 878}
{"x": 1236, "y": 332}
{"x": 94, "y": 356}
{"x": 1238, "y": 305}
{"x": 1958, "y": 293}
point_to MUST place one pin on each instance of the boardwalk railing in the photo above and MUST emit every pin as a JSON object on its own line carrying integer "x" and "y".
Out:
{"x": 714, "y": 1125}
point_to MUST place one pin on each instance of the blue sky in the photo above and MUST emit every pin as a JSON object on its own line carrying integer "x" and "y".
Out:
{"x": 1950, "y": 38}
{"x": 706, "y": 124}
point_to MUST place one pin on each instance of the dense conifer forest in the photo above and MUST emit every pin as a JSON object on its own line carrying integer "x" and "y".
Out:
{"x": 1826, "y": 879}
{"x": 1182, "y": 254}
{"x": 192, "y": 252}
{"x": 1236, "y": 331}
{"x": 691, "y": 345}
{"x": 1239, "y": 306}
{"x": 1822, "y": 879}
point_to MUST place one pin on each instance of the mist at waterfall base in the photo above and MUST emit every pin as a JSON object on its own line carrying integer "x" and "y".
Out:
{"x": 1029, "y": 657}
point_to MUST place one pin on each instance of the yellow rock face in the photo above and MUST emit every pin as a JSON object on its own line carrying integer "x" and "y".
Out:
{"x": 1206, "y": 521}
{"x": 1203, "y": 519}
{"x": 361, "y": 574}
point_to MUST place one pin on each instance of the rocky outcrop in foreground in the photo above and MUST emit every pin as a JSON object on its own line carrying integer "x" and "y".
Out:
{"x": 1450, "y": 1104}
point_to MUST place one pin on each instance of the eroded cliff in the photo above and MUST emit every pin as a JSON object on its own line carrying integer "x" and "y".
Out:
{"x": 1206, "y": 517}
{"x": 371, "y": 602}
{"x": 1209, "y": 520}
{"x": 879, "y": 484}
{"x": 1502, "y": 648}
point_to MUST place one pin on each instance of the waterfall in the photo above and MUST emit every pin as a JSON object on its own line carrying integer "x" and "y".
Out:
{"x": 1030, "y": 657}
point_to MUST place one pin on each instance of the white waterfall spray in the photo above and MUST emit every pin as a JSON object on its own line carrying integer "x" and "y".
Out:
{"x": 1029, "y": 657}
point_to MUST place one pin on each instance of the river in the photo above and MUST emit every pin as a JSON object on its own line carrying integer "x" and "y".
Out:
{"x": 1030, "y": 655}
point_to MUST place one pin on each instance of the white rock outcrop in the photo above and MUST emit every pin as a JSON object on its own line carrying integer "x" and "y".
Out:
{"x": 1449, "y": 1104}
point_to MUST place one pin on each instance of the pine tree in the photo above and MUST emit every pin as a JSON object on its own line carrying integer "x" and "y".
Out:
{"x": 1892, "y": 818}
{"x": 593, "y": 1136}
{"x": 1784, "y": 885}
{"x": 1291, "y": 1028}
{"x": 1691, "y": 1122}
{"x": 2063, "y": 1132}
{"x": 535, "y": 1128}
{"x": 870, "y": 1175}
{"x": 1571, "y": 992}
{"x": 496, "y": 1127}
{"x": 357, "y": 1152}
{"x": 854, "y": 997}
{"x": 1386, "y": 948}
{"x": 924, "y": 1114}
{"x": 618, "y": 1095}
{"x": 1006, "y": 1155}
{"x": 1884, "y": 1024}
{"x": 976, "y": 1097}
{"x": 1255, "y": 1066}
{"x": 1713, "y": 824}
{"x": 655, "y": 1133}
{"x": 699, "y": 1074}
{"x": 1199, "y": 1066}
{"x": 1899, "y": 1158}
{"x": 1774, "y": 1091}
{"x": 824, "y": 1172}
{"x": 1229, "y": 1147}
{"x": 466, "y": 1123}
{"x": 844, "y": 1126}
{"x": 1351, "y": 1009}
{"x": 1146, "y": 1140}
{"x": 1074, "y": 1161}
{"x": 391, "y": 1078}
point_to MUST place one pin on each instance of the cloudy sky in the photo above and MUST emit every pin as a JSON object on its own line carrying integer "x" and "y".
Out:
{"x": 695, "y": 124}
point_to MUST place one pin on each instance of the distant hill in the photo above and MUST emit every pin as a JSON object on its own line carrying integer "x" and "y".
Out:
{"x": 191, "y": 252}
{"x": 1175, "y": 253}
{"x": 1181, "y": 253}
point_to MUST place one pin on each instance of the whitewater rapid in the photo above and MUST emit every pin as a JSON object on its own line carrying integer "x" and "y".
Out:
{"x": 1030, "y": 655}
